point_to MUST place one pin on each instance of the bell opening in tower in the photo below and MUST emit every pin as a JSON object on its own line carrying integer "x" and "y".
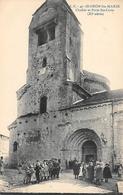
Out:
{"x": 46, "y": 33}
{"x": 42, "y": 36}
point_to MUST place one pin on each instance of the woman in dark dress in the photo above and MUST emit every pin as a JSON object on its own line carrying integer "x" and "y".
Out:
{"x": 107, "y": 172}
{"x": 37, "y": 171}
{"x": 90, "y": 170}
{"x": 76, "y": 169}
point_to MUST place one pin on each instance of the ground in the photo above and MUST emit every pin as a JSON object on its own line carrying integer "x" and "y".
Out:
{"x": 11, "y": 181}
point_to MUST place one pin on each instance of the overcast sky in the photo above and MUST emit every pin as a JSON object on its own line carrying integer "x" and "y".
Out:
{"x": 102, "y": 47}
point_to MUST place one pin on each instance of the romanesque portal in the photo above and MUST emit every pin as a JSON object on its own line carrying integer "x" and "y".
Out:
{"x": 83, "y": 144}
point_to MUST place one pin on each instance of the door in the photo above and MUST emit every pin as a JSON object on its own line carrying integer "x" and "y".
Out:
{"x": 89, "y": 151}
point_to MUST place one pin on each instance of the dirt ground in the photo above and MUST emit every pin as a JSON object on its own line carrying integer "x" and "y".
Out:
{"x": 13, "y": 181}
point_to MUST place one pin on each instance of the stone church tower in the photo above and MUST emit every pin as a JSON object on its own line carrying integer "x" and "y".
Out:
{"x": 48, "y": 113}
{"x": 54, "y": 57}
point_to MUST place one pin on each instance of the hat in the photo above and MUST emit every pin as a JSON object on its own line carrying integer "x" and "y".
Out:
{"x": 97, "y": 163}
{"x": 107, "y": 164}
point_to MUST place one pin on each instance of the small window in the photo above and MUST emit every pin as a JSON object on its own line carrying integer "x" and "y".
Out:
{"x": 42, "y": 37}
{"x": 44, "y": 62}
{"x": 43, "y": 104}
{"x": 15, "y": 146}
{"x": 70, "y": 41}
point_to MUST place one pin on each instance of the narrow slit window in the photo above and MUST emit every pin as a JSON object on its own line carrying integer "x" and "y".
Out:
{"x": 15, "y": 146}
{"x": 43, "y": 104}
{"x": 44, "y": 62}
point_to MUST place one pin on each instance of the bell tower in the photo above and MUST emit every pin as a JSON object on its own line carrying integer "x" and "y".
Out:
{"x": 54, "y": 31}
{"x": 54, "y": 56}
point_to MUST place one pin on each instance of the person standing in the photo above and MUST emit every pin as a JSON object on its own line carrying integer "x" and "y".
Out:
{"x": 19, "y": 168}
{"x": 107, "y": 172}
{"x": 50, "y": 165}
{"x": 84, "y": 171}
{"x": 37, "y": 171}
{"x": 80, "y": 171}
{"x": 90, "y": 170}
{"x": 57, "y": 168}
{"x": 27, "y": 176}
{"x": 76, "y": 169}
{"x": 33, "y": 176}
{"x": 1, "y": 165}
{"x": 46, "y": 170}
{"x": 98, "y": 173}
{"x": 120, "y": 171}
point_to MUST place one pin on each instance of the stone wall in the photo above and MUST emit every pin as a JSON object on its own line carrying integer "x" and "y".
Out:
{"x": 118, "y": 131}
{"x": 4, "y": 147}
{"x": 42, "y": 136}
{"x": 73, "y": 51}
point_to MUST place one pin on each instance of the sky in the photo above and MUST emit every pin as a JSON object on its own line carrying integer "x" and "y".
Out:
{"x": 102, "y": 46}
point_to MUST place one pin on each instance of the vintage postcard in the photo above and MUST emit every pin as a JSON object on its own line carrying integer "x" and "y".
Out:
{"x": 61, "y": 128}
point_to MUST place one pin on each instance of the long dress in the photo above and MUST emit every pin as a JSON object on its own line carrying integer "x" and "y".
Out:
{"x": 98, "y": 173}
{"x": 33, "y": 176}
{"x": 81, "y": 172}
{"x": 37, "y": 173}
{"x": 107, "y": 172}
{"x": 46, "y": 170}
{"x": 120, "y": 171}
{"x": 90, "y": 170}
{"x": 76, "y": 169}
{"x": 1, "y": 167}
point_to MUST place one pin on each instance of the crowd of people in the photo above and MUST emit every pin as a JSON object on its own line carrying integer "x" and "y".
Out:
{"x": 94, "y": 172}
{"x": 40, "y": 171}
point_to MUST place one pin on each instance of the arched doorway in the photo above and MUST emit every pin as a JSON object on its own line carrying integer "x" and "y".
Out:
{"x": 89, "y": 151}
{"x": 82, "y": 144}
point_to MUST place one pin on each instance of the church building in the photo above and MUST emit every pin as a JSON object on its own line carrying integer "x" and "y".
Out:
{"x": 63, "y": 111}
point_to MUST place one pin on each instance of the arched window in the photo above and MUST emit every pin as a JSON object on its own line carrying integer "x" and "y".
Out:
{"x": 43, "y": 104}
{"x": 15, "y": 146}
